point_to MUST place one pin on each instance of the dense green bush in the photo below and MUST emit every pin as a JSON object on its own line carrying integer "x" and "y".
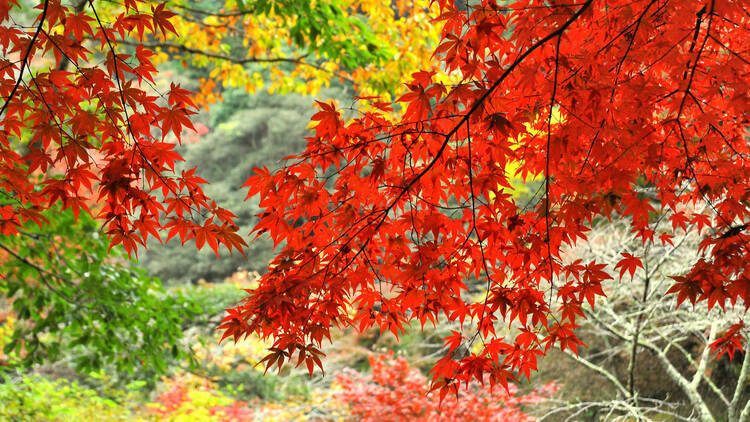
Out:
{"x": 38, "y": 399}
{"x": 77, "y": 300}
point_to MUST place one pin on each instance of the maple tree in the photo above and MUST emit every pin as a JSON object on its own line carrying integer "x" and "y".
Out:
{"x": 82, "y": 135}
{"x": 93, "y": 130}
{"x": 100, "y": 127}
{"x": 87, "y": 128}
{"x": 626, "y": 109}
{"x": 653, "y": 114}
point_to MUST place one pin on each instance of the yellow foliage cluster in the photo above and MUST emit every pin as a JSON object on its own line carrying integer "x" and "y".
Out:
{"x": 404, "y": 28}
{"x": 321, "y": 405}
{"x": 412, "y": 33}
{"x": 188, "y": 398}
{"x": 6, "y": 329}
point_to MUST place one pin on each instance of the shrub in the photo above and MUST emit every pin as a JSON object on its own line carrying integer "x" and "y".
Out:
{"x": 39, "y": 399}
{"x": 194, "y": 399}
{"x": 396, "y": 392}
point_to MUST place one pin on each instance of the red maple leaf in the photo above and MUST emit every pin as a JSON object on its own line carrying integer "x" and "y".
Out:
{"x": 629, "y": 263}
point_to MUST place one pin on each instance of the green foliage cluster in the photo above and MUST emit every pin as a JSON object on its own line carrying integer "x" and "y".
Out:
{"x": 75, "y": 298}
{"x": 325, "y": 28}
{"x": 39, "y": 399}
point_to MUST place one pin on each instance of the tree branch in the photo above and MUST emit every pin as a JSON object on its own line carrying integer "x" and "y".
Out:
{"x": 692, "y": 394}
{"x": 185, "y": 49}
{"x": 24, "y": 62}
{"x": 715, "y": 388}
{"x": 599, "y": 369}
{"x": 741, "y": 379}
{"x": 701, "y": 368}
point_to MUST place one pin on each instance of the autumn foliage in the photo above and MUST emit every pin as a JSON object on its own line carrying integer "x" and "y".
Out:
{"x": 628, "y": 110}
{"x": 634, "y": 110}
{"x": 400, "y": 393}
{"x": 102, "y": 124}
{"x": 193, "y": 399}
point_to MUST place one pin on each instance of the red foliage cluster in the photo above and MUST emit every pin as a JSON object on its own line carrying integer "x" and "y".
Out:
{"x": 730, "y": 342}
{"x": 652, "y": 98}
{"x": 397, "y": 392}
{"x": 98, "y": 126}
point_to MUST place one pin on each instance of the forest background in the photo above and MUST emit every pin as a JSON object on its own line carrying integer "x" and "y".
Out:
{"x": 90, "y": 332}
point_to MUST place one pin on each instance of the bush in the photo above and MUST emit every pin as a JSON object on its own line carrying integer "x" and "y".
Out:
{"x": 38, "y": 399}
{"x": 396, "y": 392}
{"x": 194, "y": 399}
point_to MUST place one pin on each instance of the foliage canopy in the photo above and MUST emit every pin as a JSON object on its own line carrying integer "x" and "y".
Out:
{"x": 653, "y": 119}
{"x": 385, "y": 218}
{"x": 88, "y": 129}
